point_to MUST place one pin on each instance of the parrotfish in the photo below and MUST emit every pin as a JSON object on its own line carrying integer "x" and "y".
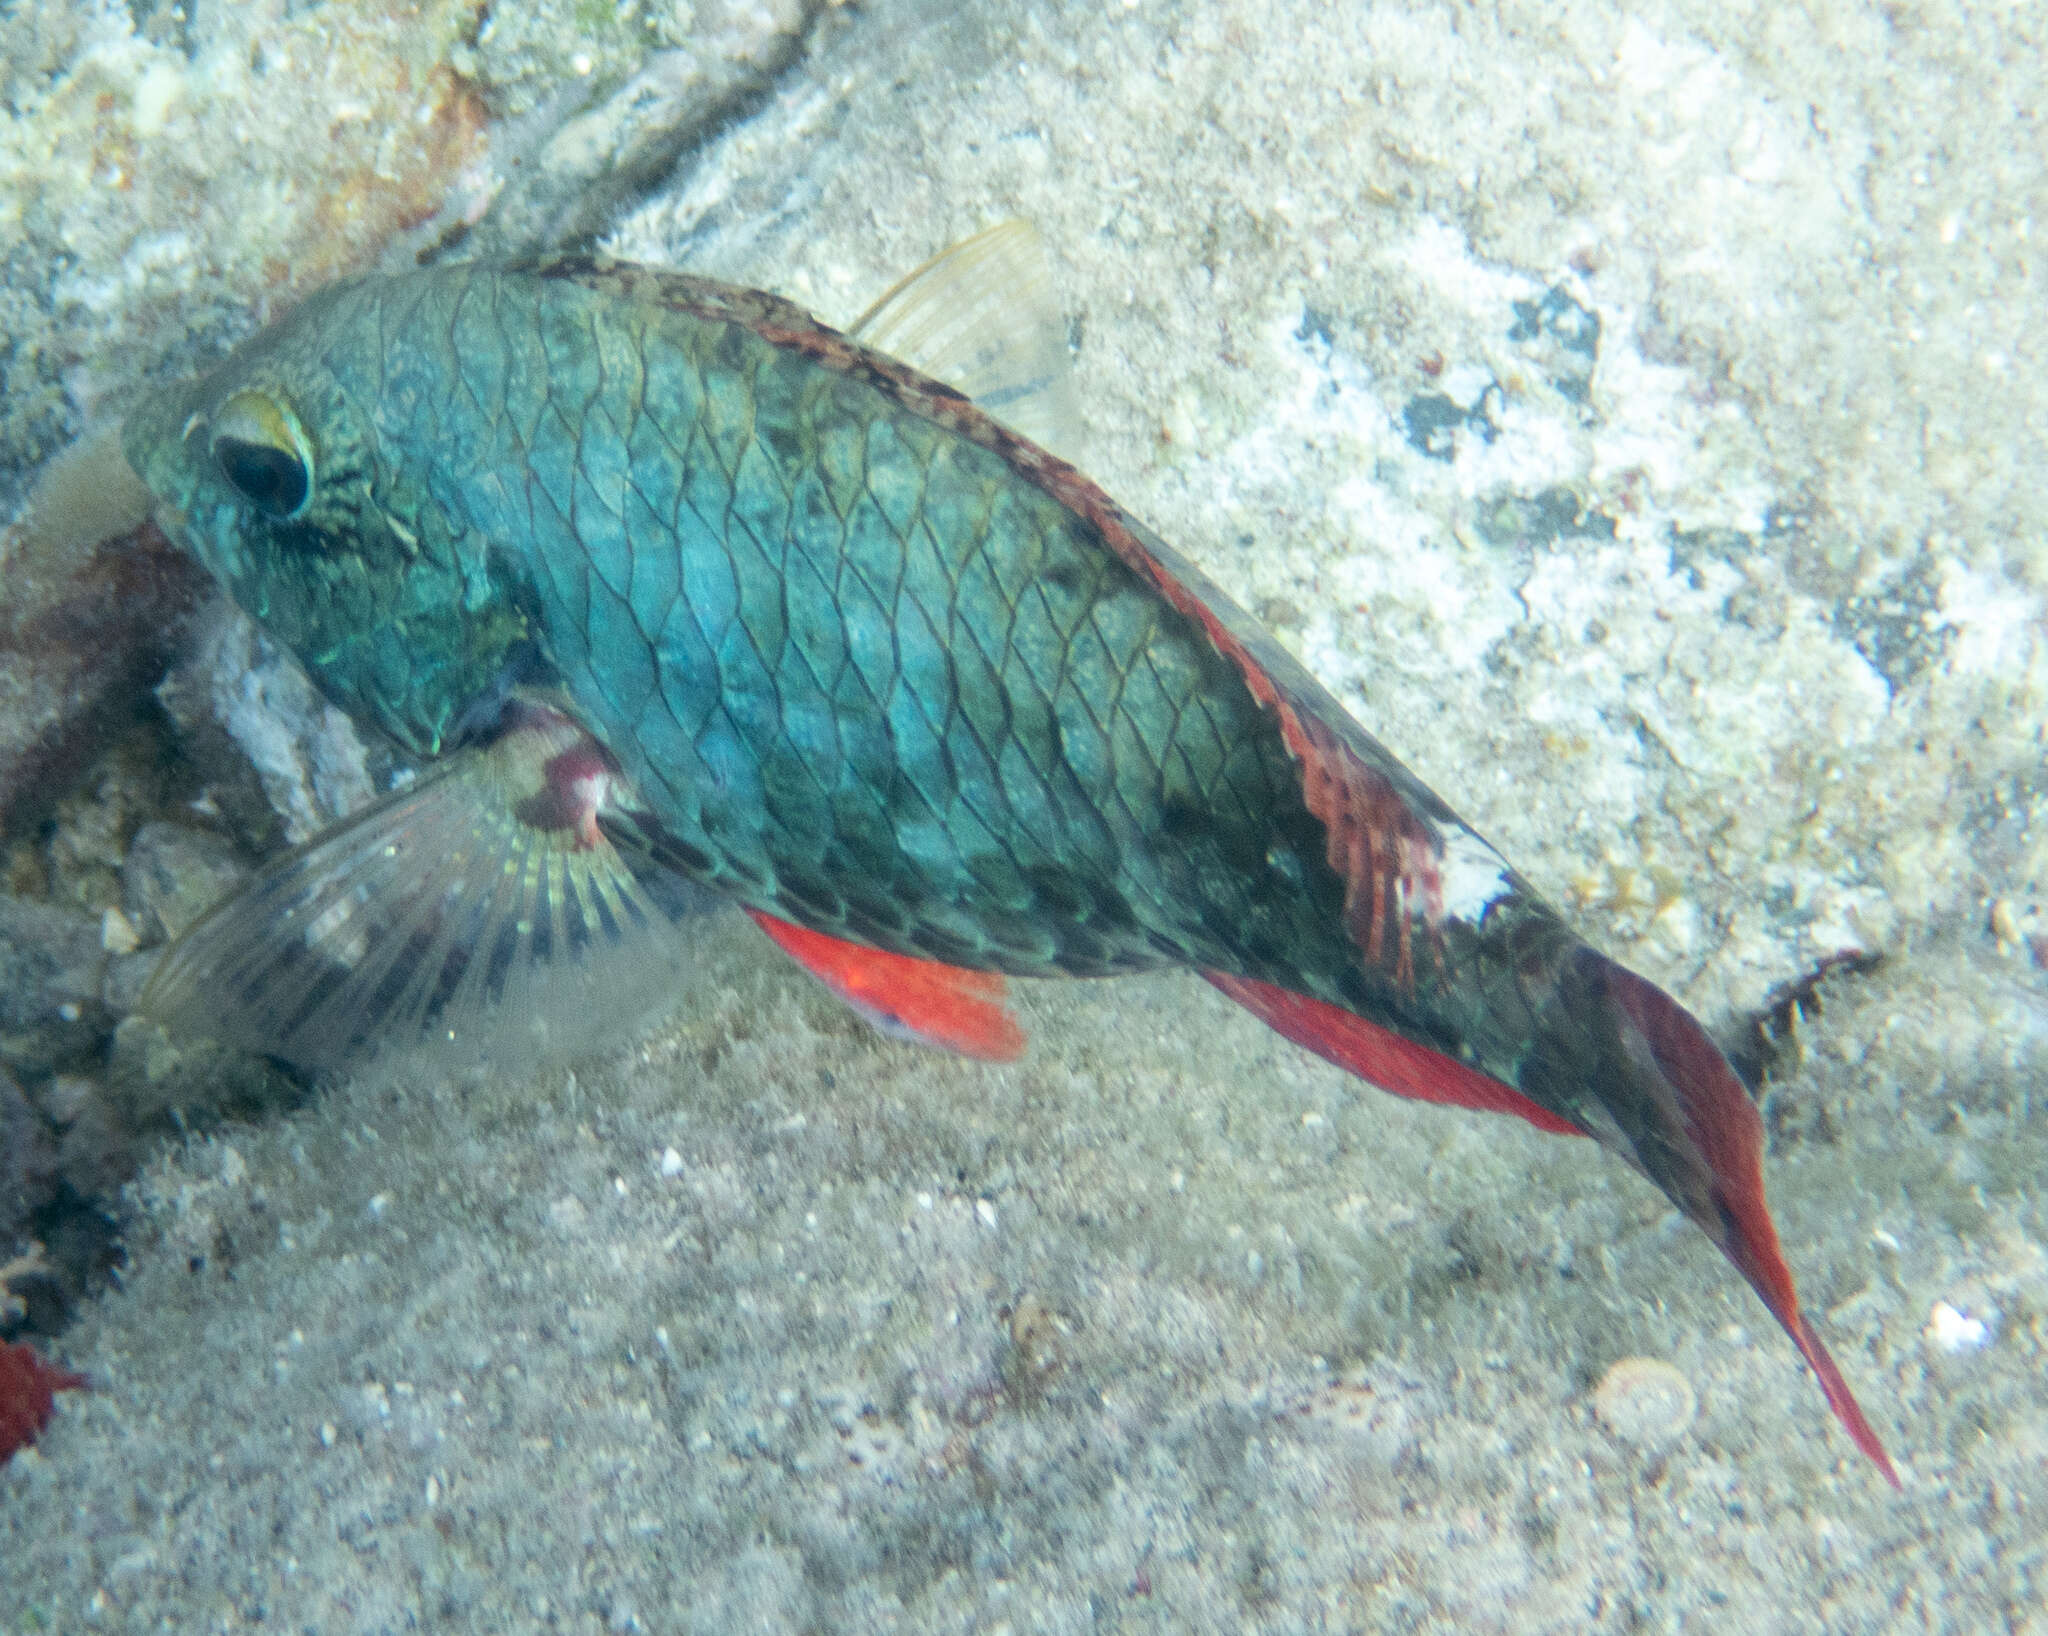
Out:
{"x": 677, "y": 591}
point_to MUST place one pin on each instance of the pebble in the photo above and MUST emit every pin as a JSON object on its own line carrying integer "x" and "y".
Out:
{"x": 1644, "y": 1401}
{"x": 1953, "y": 1330}
{"x": 117, "y": 933}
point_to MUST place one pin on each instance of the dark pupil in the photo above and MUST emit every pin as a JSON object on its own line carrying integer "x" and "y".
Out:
{"x": 273, "y": 479}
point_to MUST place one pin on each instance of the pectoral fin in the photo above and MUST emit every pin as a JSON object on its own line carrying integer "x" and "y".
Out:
{"x": 482, "y": 909}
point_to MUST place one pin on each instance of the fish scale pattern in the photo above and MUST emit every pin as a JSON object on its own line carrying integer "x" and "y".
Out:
{"x": 869, "y": 677}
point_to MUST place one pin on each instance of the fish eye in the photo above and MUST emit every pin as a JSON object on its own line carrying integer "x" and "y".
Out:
{"x": 264, "y": 453}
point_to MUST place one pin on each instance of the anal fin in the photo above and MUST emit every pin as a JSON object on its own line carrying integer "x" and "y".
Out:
{"x": 922, "y": 1000}
{"x": 1380, "y": 1056}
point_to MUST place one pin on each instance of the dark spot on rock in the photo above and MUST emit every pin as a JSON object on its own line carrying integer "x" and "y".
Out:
{"x": 1532, "y": 521}
{"x": 1556, "y": 316}
{"x": 1691, "y": 548}
{"x": 1895, "y": 624}
{"x": 1432, "y": 421}
{"x": 1562, "y": 338}
{"x": 1314, "y": 326}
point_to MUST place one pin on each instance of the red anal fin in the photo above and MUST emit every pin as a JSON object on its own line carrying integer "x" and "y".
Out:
{"x": 1381, "y": 1057}
{"x": 1728, "y": 1134}
{"x": 923, "y": 1000}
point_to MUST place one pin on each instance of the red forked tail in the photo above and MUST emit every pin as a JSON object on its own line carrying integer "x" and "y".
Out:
{"x": 1718, "y": 1138}
{"x": 1727, "y": 1133}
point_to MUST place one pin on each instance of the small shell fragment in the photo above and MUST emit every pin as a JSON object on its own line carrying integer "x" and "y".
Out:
{"x": 1955, "y": 1331}
{"x": 1036, "y": 1334}
{"x": 1644, "y": 1401}
{"x": 117, "y": 933}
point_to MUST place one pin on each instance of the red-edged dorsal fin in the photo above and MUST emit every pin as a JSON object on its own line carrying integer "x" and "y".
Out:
{"x": 1727, "y": 1134}
{"x": 1382, "y": 1057}
{"x": 923, "y": 1000}
{"x": 1383, "y": 824}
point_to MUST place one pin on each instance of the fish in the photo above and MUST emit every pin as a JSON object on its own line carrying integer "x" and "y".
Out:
{"x": 679, "y": 593}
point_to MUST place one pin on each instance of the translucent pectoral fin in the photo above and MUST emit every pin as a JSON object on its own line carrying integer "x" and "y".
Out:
{"x": 481, "y": 911}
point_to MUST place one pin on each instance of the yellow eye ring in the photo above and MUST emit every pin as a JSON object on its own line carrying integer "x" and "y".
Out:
{"x": 263, "y": 452}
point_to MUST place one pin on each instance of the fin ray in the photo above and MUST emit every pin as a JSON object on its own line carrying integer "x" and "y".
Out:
{"x": 441, "y": 917}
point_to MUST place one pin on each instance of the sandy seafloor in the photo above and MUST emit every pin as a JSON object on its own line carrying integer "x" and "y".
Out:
{"x": 762, "y": 1323}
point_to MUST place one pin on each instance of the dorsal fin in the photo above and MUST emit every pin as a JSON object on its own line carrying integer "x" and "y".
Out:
{"x": 977, "y": 320}
{"x": 981, "y": 317}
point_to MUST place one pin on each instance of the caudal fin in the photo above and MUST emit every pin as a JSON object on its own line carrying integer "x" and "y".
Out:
{"x": 1652, "y": 1086}
{"x": 1709, "y": 1157}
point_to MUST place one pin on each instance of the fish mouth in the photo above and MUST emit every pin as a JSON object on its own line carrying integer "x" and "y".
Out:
{"x": 148, "y": 442}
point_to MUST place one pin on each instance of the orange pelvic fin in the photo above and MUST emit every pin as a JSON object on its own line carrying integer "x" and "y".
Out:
{"x": 1381, "y": 1057}
{"x": 922, "y": 1000}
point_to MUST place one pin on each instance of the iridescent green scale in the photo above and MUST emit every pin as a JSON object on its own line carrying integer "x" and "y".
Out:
{"x": 880, "y": 682}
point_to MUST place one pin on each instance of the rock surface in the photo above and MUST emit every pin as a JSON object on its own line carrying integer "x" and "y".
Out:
{"x": 52, "y": 964}
{"x": 173, "y": 874}
{"x": 28, "y": 1169}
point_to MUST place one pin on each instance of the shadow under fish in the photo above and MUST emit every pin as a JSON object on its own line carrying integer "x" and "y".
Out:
{"x": 694, "y": 598}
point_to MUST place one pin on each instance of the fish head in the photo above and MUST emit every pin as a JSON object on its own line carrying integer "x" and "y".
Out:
{"x": 273, "y": 471}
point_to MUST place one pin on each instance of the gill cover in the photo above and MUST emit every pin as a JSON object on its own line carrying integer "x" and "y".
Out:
{"x": 292, "y": 472}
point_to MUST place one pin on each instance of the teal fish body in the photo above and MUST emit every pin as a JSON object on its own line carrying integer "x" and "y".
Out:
{"x": 897, "y": 679}
{"x": 868, "y": 674}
